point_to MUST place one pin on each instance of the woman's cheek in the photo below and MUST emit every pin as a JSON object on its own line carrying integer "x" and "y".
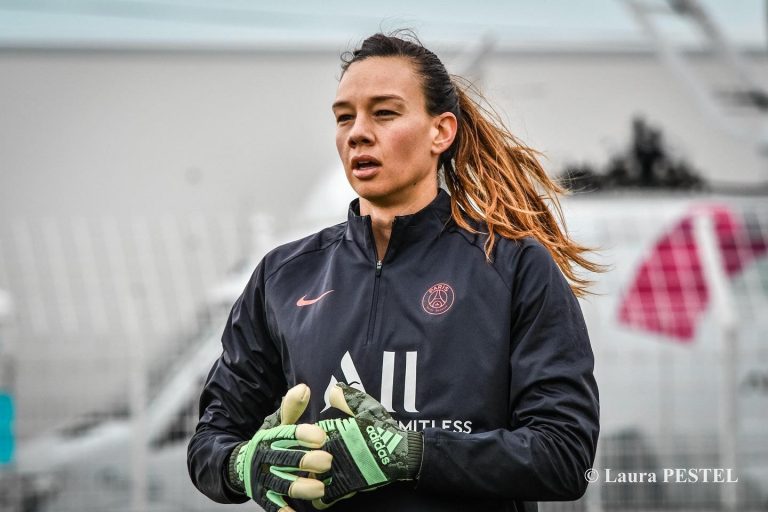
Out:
{"x": 408, "y": 144}
{"x": 340, "y": 143}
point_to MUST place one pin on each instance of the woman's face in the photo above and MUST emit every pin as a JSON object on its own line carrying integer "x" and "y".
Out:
{"x": 387, "y": 141}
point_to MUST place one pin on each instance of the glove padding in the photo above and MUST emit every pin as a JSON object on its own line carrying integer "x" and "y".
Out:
{"x": 266, "y": 467}
{"x": 369, "y": 449}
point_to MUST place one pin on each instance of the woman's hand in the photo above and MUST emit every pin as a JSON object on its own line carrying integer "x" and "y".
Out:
{"x": 369, "y": 448}
{"x": 266, "y": 467}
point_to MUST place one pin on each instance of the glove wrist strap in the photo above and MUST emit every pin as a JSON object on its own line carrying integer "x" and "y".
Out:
{"x": 232, "y": 477}
{"x": 415, "y": 452}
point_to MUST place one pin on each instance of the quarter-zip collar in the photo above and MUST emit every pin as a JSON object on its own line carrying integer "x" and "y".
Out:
{"x": 424, "y": 225}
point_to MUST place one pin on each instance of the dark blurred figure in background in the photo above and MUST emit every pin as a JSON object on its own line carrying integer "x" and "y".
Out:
{"x": 646, "y": 163}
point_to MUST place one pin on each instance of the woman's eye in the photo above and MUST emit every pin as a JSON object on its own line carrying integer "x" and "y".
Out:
{"x": 384, "y": 113}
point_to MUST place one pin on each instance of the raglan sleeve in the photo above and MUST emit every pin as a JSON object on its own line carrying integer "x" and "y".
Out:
{"x": 243, "y": 387}
{"x": 553, "y": 425}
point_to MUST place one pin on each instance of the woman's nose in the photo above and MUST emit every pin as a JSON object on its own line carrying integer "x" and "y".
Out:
{"x": 360, "y": 132}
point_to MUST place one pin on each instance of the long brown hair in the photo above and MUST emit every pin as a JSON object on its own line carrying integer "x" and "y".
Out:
{"x": 492, "y": 176}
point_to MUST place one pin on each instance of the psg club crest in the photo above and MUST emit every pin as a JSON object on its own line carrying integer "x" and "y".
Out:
{"x": 438, "y": 299}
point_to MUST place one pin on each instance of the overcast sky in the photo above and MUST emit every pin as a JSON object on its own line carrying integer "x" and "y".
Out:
{"x": 307, "y": 23}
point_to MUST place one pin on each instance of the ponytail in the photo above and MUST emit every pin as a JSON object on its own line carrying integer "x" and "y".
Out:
{"x": 496, "y": 179}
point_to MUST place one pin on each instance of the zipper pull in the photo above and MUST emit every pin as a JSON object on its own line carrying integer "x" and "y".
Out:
{"x": 378, "y": 268}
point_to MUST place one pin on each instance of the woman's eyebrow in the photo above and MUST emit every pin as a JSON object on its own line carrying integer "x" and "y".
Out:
{"x": 385, "y": 97}
{"x": 374, "y": 99}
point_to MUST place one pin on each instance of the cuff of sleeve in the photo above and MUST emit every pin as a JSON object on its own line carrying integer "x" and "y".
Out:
{"x": 415, "y": 454}
{"x": 431, "y": 442}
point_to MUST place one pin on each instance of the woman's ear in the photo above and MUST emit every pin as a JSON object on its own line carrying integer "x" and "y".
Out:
{"x": 445, "y": 126}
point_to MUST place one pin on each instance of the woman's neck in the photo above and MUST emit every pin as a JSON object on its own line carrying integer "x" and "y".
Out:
{"x": 382, "y": 217}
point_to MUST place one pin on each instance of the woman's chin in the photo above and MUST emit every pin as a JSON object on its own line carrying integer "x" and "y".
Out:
{"x": 371, "y": 191}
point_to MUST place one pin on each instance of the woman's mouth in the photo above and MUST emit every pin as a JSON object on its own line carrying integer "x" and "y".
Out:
{"x": 365, "y": 166}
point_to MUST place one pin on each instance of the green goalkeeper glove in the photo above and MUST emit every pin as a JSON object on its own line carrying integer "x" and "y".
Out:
{"x": 369, "y": 449}
{"x": 266, "y": 467}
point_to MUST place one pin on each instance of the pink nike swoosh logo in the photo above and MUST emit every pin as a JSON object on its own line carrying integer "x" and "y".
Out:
{"x": 304, "y": 301}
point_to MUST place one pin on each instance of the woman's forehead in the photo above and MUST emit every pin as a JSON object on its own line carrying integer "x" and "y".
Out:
{"x": 378, "y": 77}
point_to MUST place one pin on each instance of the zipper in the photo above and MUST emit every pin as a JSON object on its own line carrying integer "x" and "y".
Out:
{"x": 374, "y": 303}
{"x": 376, "y": 281}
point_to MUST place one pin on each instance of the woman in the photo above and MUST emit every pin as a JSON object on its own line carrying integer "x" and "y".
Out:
{"x": 453, "y": 309}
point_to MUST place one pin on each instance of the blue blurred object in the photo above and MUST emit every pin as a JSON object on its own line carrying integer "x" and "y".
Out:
{"x": 6, "y": 433}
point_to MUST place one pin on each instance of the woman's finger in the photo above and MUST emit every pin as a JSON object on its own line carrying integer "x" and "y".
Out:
{"x": 306, "y": 489}
{"x": 316, "y": 461}
{"x": 310, "y": 435}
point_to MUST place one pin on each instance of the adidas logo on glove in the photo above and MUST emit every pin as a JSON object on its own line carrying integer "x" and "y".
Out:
{"x": 384, "y": 442}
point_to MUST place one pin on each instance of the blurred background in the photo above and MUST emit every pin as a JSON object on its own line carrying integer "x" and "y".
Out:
{"x": 152, "y": 151}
